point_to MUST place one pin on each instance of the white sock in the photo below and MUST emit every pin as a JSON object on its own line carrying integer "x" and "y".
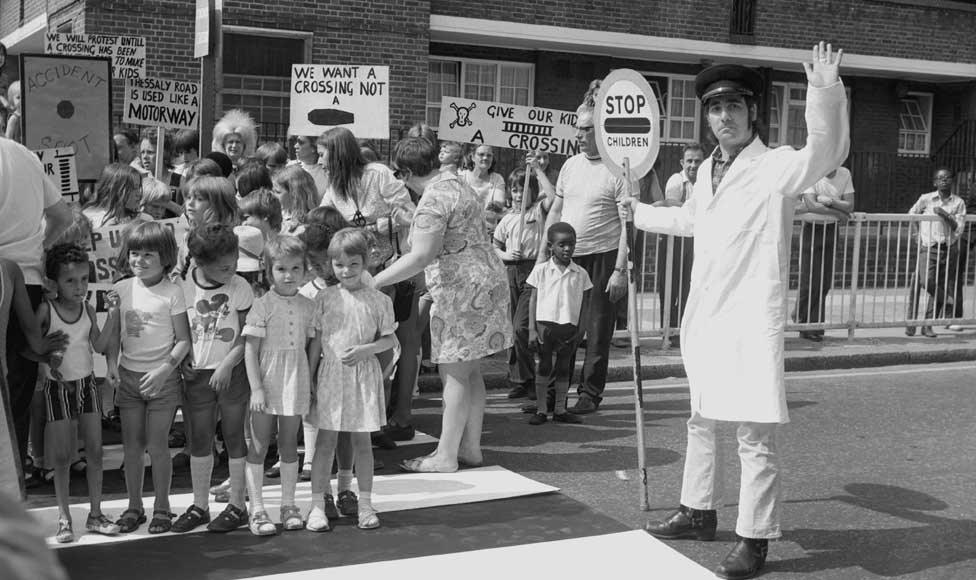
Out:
{"x": 254, "y": 473}
{"x": 344, "y": 480}
{"x": 237, "y": 481}
{"x": 289, "y": 480}
{"x": 201, "y": 470}
{"x": 365, "y": 500}
{"x": 311, "y": 435}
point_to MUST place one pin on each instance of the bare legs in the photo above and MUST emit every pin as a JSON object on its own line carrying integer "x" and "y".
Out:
{"x": 464, "y": 408}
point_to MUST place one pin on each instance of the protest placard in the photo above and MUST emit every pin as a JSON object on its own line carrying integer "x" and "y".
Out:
{"x": 128, "y": 53}
{"x": 508, "y": 126}
{"x": 161, "y": 103}
{"x": 353, "y": 96}
{"x": 67, "y": 102}
{"x": 59, "y": 165}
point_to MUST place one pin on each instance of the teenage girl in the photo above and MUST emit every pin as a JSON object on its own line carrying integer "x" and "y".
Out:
{"x": 278, "y": 330}
{"x": 219, "y": 301}
{"x": 353, "y": 323}
{"x": 155, "y": 337}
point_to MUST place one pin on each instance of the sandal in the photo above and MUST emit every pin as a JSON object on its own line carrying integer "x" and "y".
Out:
{"x": 348, "y": 503}
{"x": 261, "y": 524}
{"x": 101, "y": 525}
{"x": 64, "y": 535}
{"x": 291, "y": 518}
{"x": 79, "y": 467}
{"x": 192, "y": 518}
{"x": 331, "y": 512}
{"x": 316, "y": 521}
{"x": 229, "y": 520}
{"x": 368, "y": 520}
{"x": 161, "y": 522}
{"x": 130, "y": 520}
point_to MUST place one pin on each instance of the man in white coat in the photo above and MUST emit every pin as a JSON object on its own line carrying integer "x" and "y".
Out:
{"x": 741, "y": 216}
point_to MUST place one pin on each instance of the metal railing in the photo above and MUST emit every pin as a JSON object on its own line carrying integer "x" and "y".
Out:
{"x": 872, "y": 272}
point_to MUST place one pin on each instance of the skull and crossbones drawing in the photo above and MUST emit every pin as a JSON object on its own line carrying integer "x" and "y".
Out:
{"x": 463, "y": 115}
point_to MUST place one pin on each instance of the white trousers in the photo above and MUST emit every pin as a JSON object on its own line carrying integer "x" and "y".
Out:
{"x": 703, "y": 482}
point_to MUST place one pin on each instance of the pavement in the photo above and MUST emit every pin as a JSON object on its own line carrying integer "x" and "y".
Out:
{"x": 870, "y": 347}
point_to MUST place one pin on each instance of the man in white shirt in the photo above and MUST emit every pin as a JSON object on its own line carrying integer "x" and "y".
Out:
{"x": 32, "y": 216}
{"x": 938, "y": 249}
{"x": 676, "y": 193}
{"x": 818, "y": 240}
{"x": 586, "y": 198}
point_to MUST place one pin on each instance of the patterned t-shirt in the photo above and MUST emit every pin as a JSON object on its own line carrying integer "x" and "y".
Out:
{"x": 215, "y": 317}
{"x": 147, "y": 322}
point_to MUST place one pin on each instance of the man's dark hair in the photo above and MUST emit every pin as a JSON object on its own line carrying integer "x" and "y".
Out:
{"x": 692, "y": 147}
{"x": 130, "y": 135}
{"x": 560, "y": 228}
{"x": 943, "y": 168}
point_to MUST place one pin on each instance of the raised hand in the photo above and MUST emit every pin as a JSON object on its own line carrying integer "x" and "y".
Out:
{"x": 824, "y": 70}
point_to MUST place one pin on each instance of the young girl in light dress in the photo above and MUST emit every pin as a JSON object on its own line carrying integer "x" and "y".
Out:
{"x": 353, "y": 323}
{"x": 277, "y": 332}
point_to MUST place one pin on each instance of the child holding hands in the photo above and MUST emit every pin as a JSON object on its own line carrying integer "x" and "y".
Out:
{"x": 70, "y": 393}
{"x": 155, "y": 337}
{"x": 353, "y": 323}
{"x": 278, "y": 330}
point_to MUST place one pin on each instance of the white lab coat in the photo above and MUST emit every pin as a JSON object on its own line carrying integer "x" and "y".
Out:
{"x": 732, "y": 330}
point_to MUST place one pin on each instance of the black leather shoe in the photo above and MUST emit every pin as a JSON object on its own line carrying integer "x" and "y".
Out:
{"x": 745, "y": 560}
{"x": 517, "y": 392}
{"x": 584, "y": 406}
{"x": 685, "y": 524}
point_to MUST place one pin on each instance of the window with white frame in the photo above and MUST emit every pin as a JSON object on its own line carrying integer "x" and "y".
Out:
{"x": 257, "y": 75}
{"x": 482, "y": 80}
{"x": 915, "y": 124}
{"x": 787, "y": 110}
{"x": 678, "y": 105}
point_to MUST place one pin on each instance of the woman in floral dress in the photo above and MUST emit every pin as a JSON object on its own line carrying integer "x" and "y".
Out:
{"x": 469, "y": 319}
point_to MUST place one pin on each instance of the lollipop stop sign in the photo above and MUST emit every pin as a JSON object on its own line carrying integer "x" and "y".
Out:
{"x": 627, "y": 120}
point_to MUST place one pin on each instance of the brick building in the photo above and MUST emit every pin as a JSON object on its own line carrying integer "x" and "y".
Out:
{"x": 910, "y": 65}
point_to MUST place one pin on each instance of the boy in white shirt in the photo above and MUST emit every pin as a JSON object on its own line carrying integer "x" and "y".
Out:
{"x": 559, "y": 291}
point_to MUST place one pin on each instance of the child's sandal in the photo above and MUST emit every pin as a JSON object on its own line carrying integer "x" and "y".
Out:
{"x": 261, "y": 524}
{"x": 162, "y": 522}
{"x": 64, "y": 535}
{"x": 291, "y": 518}
{"x": 130, "y": 520}
{"x": 368, "y": 520}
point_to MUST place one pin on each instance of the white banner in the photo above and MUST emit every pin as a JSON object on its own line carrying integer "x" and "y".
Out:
{"x": 128, "y": 53}
{"x": 162, "y": 103}
{"x": 353, "y": 96}
{"x": 508, "y": 126}
{"x": 59, "y": 164}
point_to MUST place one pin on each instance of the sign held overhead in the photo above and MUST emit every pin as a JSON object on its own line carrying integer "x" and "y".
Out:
{"x": 508, "y": 126}
{"x": 128, "y": 53}
{"x": 353, "y": 96}
{"x": 162, "y": 103}
{"x": 628, "y": 123}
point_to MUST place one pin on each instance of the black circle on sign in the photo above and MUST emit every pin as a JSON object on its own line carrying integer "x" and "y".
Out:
{"x": 66, "y": 109}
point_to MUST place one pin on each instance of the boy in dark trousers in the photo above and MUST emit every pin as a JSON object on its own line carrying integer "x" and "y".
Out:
{"x": 559, "y": 289}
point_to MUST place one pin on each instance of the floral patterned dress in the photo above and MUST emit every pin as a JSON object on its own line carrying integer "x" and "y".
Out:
{"x": 350, "y": 398}
{"x": 469, "y": 318}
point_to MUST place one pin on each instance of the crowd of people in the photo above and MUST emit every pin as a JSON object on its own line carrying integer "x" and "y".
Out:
{"x": 293, "y": 310}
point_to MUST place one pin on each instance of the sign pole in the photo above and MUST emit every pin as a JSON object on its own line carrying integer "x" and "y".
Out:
{"x": 525, "y": 204}
{"x": 627, "y": 230}
{"x": 160, "y": 153}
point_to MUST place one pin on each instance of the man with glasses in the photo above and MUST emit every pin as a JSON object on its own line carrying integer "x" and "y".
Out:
{"x": 586, "y": 198}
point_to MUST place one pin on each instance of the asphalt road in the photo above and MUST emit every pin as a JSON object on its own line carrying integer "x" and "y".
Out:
{"x": 878, "y": 475}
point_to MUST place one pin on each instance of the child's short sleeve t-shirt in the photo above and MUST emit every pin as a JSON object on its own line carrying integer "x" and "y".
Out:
{"x": 559, "y": 295}
{"x": 147, "y": 322}
{"x": 215, "y": 317}
{"x": 528, "y": 240}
